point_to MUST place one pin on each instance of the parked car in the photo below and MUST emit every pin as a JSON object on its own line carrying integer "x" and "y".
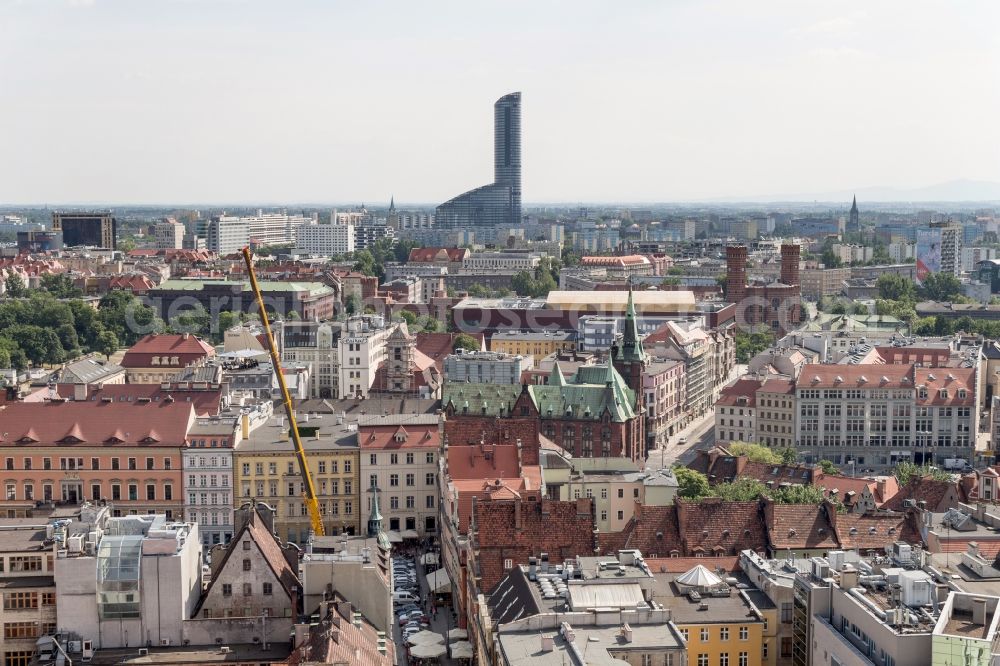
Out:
{"x": 404, "y": 595}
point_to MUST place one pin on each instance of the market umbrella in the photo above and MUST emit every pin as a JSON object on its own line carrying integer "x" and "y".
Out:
{"x": 425, "y": 637}
{"x": 457, "y": 634}
{"x": 431, "y": 651}
{"x": 461, "y": 650}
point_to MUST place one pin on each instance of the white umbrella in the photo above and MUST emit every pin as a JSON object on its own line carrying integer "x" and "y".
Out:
{"x": 458, "y": 633}
{"x": 432, "y": 651}
{"x": 461, "y": 650}
{"x": 425, "y": 637}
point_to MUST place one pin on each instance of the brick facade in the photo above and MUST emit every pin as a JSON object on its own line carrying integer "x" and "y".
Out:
{"x": 509, "y": 531}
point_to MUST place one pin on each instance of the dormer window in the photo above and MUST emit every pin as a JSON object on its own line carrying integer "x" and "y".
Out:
{"x": 962, "y": 393}
{"x": 922, "y": 394}
{"x": 943, "y": 393}
{"x": 155, "y": 360}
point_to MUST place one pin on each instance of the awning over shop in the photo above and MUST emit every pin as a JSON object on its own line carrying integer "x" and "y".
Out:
{"x": 438, "y": 581}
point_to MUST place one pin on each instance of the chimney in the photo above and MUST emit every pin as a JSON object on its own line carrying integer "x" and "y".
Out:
{"x": 245, "y": 426}
{"x": 627, "y": 633}
{"x": 570, "y": 635}
{"x": 185, "y": 336}
{"x": 979, "y": 611}
{"x": 80, "y": 392}
{"x": 848, "y": 577}
{"x": 881, "y": 488}
{"x": 517, "y": 515}
{"x": 344, "y": 609}
{"x": 547, "y": 643}
{"x": 301, "y": 634}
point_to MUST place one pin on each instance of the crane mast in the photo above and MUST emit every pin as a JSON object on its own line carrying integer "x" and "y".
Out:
{"x": 309, "y": 490}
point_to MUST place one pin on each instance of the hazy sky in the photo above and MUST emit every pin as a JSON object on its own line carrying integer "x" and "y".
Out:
{"x": 150, "y": 101}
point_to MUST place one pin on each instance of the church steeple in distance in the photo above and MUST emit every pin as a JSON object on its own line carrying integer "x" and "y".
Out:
{"x": 854, "y": 224}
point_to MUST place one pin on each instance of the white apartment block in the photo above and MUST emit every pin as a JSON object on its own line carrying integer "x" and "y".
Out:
{"x": 361, "y": 351}
{"x": 876, "y": 416}
{"x": 228, "y": 234}
{"x": 501, "y": 261}
{"x": 325, "y": 239}
{"x": 314, "y": 344}
{"x": 208, "y": 478}
{"x": 169, "y": 235}
{"x": 399, "y": 456}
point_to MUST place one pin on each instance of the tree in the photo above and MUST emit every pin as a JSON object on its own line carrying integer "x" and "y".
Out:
{"x": 691, "y": 484}
{"x": 788, "y": 455}
{"x": 907, "y": 471}
{"x": 68, "y": 338}
{"x": 60, "y": 286}
{"x": 227, "y": 320}
{"x": 364, "y": 262}
{"x": 940, "y": 287}
{"x": 4, "y": 358}
{"x": 828, "y": 467}
{"x": 755, "y": 452}
{"x": 523, "y": 283}
{"x": 107, "y": 343}
{"x": 894, "y": 287}
{"x": 465, "y": 341}
{"x": 292, "y": 315}
{"x": 409, "y": 318}
{"x": 749, "y": 345}
{"x": 830, "y": 259}
{"x": 743, "y": 489}
{"x": 352, "y": 304}
{"x": 16, "y": 288}
{"x": 798, "y": 494}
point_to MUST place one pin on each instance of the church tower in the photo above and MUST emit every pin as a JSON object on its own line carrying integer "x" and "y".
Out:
{"x": 854, "y": 223}
{"x": 400, "y": 348}
{"x": 629, "y": 359}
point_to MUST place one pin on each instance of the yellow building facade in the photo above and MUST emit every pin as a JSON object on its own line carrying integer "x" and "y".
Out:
{"x": 728, "y": 644}
{"x": 266, "y": 469}
{"x": 535, "y": 343}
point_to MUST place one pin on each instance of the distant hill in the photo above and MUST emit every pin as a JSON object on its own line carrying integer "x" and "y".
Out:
{"x": 953, "y": 190}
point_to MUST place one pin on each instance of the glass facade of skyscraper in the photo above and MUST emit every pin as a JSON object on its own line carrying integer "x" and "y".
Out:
{"x": 498, "y": 203}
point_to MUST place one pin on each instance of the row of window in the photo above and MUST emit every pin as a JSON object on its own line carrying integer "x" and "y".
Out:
{"x": 26, "y": 600}
{"x": 95, "y": 463}
{"x": 291, "y": 468}
{"x": 704, "y": 634}
{"x": 430, "y": 479}
{"x": 744, "y": 659}
{"x": 208, "y": 480}
{"x": 324, "y": 485}
{"x": 214, "y": 461}
{"x": 208, "y": 498}
{"x": 266, "y": 588}
{"x": 409, "y": 457}
{"x": 96, "y": 492}
{"x": 26, "y": 563}
{"x": 14, "y": 630}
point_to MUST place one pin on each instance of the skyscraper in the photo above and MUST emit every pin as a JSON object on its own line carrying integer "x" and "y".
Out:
{"x": 91, "y": 229}
{"x": 498, "y": 203}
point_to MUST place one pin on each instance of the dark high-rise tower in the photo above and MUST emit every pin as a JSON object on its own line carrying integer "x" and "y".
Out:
{"x": 498, "y": 203}
{"x": 854, "y": 223}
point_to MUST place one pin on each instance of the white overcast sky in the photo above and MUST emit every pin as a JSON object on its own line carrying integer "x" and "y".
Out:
{"x": 202, "y": 101}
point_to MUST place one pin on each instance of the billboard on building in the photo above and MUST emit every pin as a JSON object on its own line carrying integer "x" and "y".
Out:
{"x": 928, "y": 253}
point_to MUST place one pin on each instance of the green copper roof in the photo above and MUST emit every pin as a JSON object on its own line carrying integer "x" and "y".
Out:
{"x": 488, "y": 399}
{"x": 592, "y": 390}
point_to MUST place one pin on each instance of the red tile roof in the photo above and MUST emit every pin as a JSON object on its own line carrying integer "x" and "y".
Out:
{"x": 436, "y": 254}
{"x": 799, "y": 526}
{"x": 683, "y": 564}
{"x": 952, "y": 380}
{"x": 855, "y": 376}
{"x": 939, "y": 495}
{"x": 483, "y": 461}
{"x": 95, "y": 423}
{"x": 713, "y": 526}
{"x": 875, "y": 531}
{"x": 742, "y": 393}
{"x": 928, "y": 357}
{"x": 399, "y": 437}
{"x": 336, "y": 640}
{"x": 206, "y": 402}
{"x": 188, "y": 348}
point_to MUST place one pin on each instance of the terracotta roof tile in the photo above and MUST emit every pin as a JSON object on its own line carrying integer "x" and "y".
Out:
{"x": 96, "y": 422}
{"x": 799, "y": 526}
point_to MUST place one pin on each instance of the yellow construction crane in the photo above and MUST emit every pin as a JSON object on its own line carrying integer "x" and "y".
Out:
{"x": 309, "y": 490}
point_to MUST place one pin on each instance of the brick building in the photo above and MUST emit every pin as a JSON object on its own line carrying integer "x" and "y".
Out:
{"x": 159, "y": 356}
{"x": 775, "y": 304}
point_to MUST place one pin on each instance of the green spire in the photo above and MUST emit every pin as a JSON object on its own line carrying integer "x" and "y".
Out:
{"x": 375, "y": 519}
{"x": 631, "y": 348}
{"x": 557, "y": 378}
{"x": 609, "y": 376}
